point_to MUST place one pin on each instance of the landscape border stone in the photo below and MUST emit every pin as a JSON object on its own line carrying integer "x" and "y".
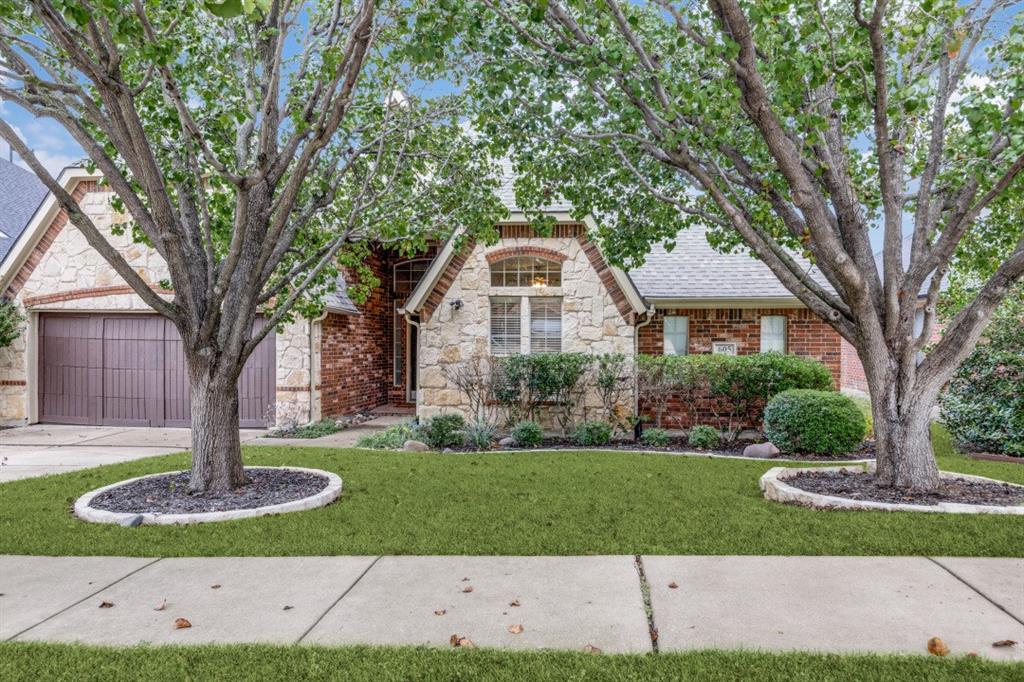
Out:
{"x": 773, "y": 484}
{"x": 321, "y": 499}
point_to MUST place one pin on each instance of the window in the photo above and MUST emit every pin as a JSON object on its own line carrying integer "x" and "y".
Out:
{"x": 409, "y": 274}
{"x": 677, "y": 335}
{"x": 545, "y": 325}
{"x": 773, "y": 333}
{"x": 526, "y": 271}
{"x": 723, "y": 348}
{"x": 505, "y": 326}
{"x": 399, "y": 348}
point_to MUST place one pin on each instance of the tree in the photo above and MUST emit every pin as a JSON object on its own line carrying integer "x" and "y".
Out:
{"x": 783, "y": 125}
{"x": 255, "y": 145}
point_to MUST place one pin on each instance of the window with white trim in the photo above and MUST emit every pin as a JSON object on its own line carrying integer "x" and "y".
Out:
{"x": 773, "y": 333}
{"x": 506, "y": 325}
{"x": 545, "y": 325}
{"x": 526, "y": 271}
{"x": 677, "y": 335}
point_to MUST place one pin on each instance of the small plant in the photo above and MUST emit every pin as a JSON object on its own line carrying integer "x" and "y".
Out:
{"x": 480, "y": 434}
{"x": 444, "y": 431}
{"x": 703, "y": 436}
{"x": 391, "y": 438}
{"x": 11, "y": 320}
{"x": 527, "y": 434}
{"x": 815, "y": 422}
{"x": 655, "y": 437}
{"x": 324, "y": 427}
{"x": 592, "y": 433}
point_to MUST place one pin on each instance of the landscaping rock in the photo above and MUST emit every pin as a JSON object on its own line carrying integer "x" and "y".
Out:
{"x": 762, "y": 450}
{"x": 507, "y": 442}
{"x": 132, "y": 521}
{"x": 415, "y": 446}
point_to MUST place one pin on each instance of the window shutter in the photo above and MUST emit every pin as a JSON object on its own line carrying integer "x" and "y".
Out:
{"x": 545, "y": 325}
{"x": 677, "y": 335}
{"x": 505, "y": 326}
{"x": 773, "y": 333}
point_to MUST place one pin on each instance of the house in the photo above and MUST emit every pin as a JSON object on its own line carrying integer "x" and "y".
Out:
{"x": 93, "y": 353}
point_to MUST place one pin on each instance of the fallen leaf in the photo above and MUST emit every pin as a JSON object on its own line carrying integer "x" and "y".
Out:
{"x": 288, "y": 608}
{"x": 515, "y": 629}
{"x": 215, "y": 586}
{"x": 161, "y": 606}
{"x": 465, "y": 580}
{"x": 106, "y": 604}
{"x": 181, "y": 623}
{"x": 467, "y": 589}
{"x": 459, "y": 642}
{"x": 1004, "y": 642}
{"x": 440, "y": 612}
{"x": 936, "y": 647}
{"x": 591, "y": 649}
{"x": 514, "y": 602}
{"x": 654, "y": 635}
{"x": 673, "y": 585}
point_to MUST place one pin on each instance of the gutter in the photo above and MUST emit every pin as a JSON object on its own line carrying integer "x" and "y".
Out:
{"x": 649, "y": 313}
{"x": 408, "y": 319}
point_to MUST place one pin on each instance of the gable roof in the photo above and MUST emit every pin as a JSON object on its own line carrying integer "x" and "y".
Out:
{"x": 337, "y": 300}
{"x": 694, "y": 270}
{"x": 21, "y": 192}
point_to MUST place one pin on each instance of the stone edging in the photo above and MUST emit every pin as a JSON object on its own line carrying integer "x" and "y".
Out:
{"x": 321, "y": 499}
{"x": 775, "y": 488}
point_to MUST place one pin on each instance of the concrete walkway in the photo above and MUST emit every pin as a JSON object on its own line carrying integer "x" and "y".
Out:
{"x": 834, "y": 604}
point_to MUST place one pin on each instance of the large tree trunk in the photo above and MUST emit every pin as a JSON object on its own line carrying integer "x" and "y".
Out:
{"x": 903, "y": 442}
{"x": 216, "y": 448}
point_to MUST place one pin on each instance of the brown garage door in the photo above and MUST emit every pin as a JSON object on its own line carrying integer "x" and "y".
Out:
{"x": 129, "y": 370}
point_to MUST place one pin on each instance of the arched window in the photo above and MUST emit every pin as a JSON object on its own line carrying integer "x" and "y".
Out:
{"x": 526, "y": 271}
{"x": 409, "y": 274}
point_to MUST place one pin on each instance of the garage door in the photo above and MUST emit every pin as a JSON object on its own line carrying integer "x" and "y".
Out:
{"x": 129, "y": 370}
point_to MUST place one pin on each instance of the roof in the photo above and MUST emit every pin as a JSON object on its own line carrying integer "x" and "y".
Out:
{"x": 696, "y": 270}
{"x": 507, "y": 195}
{"x": 337, "y": 300}
{"x": 21, "y": 193}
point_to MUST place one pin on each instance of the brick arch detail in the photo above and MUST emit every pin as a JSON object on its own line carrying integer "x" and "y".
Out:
{"x": 515, "y": 251}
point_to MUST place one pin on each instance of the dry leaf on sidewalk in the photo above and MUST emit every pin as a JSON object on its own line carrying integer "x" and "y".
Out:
{"x": 514, "y": 602}
{"x": 937, "y": 647}
{"x": 1004, "y": 642}
{"x": 673, "y": 585}
{"x": 459, "y": 642}
{"x": 440, "y": 612}
{"x": 591, "y": 649}
{"x": 161, "y": 606}
{"x": 215, "y": 586}
{"x": 467, "y": 589}
{"x": 515, "y": 629}
{"x": 181, "y": 623}
{"x": 106, "y": 604}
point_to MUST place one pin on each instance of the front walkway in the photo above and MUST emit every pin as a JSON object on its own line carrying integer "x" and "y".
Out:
{"x": 832, "y": 604}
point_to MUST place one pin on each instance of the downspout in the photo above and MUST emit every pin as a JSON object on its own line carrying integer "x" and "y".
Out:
{"x": 314, "y": 368}
{"x": 649, "y": 313}
{"x": 408, "y": 320}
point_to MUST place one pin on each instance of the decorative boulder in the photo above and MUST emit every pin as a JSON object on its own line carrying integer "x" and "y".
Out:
{"x": 507, "y": 442}
{"x": 415, "y": 446}
{"x": 761, "y": 450}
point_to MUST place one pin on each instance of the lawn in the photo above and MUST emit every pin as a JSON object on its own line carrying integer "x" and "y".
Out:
{"x": 559, "y": 503}
{"x": 263, "y": 662}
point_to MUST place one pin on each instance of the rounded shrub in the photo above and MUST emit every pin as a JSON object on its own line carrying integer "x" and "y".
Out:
{"x": 655, "y": 437}
{"x": 703, "y": 436}
{"x": 592, "y": 433}
{"x": 814, "y": 422}
{"x": 445, "y": 431}
{"x": 527, "y": 434}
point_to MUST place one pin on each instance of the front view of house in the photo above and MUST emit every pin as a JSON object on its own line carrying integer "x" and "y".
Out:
{"x": 92, "y": 352}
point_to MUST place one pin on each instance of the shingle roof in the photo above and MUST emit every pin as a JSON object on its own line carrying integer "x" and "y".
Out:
{"x": 338, "y": 300}
{"x": 21, "y": 192}
{"x": 507, "y": 196}
{"x": 695, "y": 270}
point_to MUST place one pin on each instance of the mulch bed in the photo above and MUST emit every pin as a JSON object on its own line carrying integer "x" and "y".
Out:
{"x": 862, "y": 486}
{"x": 169, "y": 494}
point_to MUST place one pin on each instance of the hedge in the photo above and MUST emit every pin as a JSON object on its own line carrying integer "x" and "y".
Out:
{"x": 814, "y": 422}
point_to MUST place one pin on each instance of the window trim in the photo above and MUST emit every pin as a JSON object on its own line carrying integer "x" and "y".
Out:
{"x": 665, "y": 335}
{"x": 518, "y": 347}
{"x": 548, "y": 302}
{"x": 551, "y": 268}
{"x": 394, "y": 274}
{"x": 785, "y": 333}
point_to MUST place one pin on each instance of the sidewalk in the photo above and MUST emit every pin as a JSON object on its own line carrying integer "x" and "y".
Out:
{"x": 832, "y": 604}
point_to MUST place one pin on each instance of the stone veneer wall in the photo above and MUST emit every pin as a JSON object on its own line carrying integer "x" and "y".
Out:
{"x": 591, "y": 320}
{"x": 807, "y": 336}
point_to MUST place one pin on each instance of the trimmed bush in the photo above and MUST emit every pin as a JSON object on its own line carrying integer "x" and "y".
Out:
{"x": 655, "y": 437}
{"x": 444, "y": 431}
{"x": 704, "y": 437}
{"x": 522, "y": 384}
{"x": 391, "y": 438}
{"x": 592, "y": 433}
{"x": 814, "y": 422}
{"x": 480, "y": 434}
{"x": 527, "y": 434}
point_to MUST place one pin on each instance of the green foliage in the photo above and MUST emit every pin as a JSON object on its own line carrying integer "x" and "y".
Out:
{"x": 444, "y": 431}
{"x": 983, "y": 405}
{"x": 324, "y": 427}
{"x": 11, "y": 320}
{"x": 864, "y": 405}
{"x": 524, "y": 383}
{"x": 592, "y": 433}
{"x": 480, "y": 434}
{"x": 814, "y": 422}
{"x": 391, "y": 438}
{"x": 655, "y": 437}
{"x": 527, "y": 434}
{"x": 703, "y": 437}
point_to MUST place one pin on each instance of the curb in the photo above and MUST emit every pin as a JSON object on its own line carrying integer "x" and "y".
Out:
{"x": 321, "y": 499}
{"x": 775, "y": 488}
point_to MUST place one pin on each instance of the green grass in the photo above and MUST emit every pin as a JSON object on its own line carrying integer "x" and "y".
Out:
{"x": 262, "y": 662}
{"x": 559, "y": 503}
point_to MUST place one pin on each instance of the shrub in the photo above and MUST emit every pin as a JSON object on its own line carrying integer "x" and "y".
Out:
{"x": 612, "y": 379}
{"x": 655, "y": 437}
{"x": 815, "y": 422}
{"x": 522, "y": 384}
{"x": 11, "y": 319}
{"x": 704, "y": 437}
{"x": 444, "y": 431}
{"x": 527, "y": 434}
{"x": 480, "y": 434}
{"x": 593, "y": 433}
{"x": 324, "y": 427}
{"x": 391, "y": 438}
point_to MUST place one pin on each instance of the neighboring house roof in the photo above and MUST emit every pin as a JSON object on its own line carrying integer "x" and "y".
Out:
{"x": 21, "y": 192}
{"x": 337, "y": 301}
{"x": 695, "y": 270}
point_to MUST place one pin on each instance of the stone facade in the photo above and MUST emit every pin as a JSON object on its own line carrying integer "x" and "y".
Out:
{"x": 591, "y": 318}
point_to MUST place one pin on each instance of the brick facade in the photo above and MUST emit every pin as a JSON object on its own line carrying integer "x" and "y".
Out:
{"x": 807, "y": 335}
{"x": 852, "y": 370}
